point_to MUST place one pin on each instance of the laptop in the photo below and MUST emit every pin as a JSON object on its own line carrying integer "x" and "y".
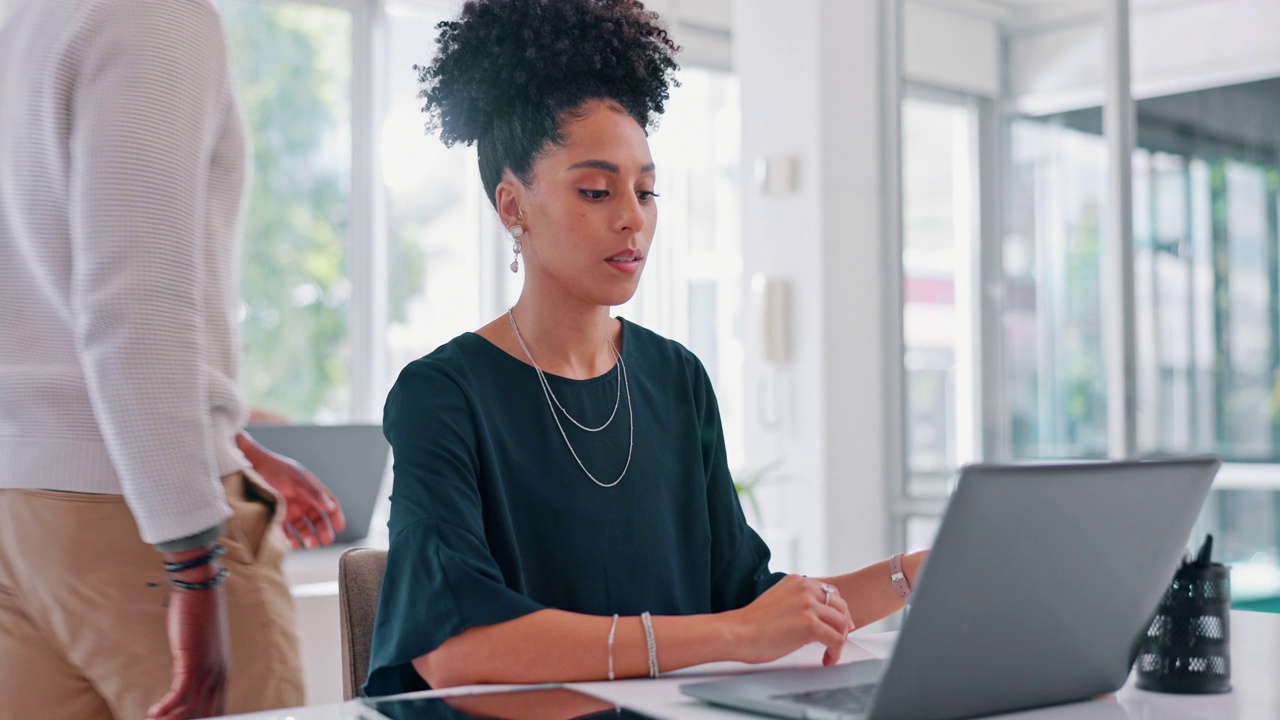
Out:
{"x": 349, "y": 459}
{"x": 1039, "y": 589}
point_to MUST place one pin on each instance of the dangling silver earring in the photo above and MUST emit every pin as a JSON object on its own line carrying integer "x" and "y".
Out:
{"x": 516, "y": 231}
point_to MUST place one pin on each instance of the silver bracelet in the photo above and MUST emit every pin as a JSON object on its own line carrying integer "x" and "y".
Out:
{"x": 653, "y": 644}
{"x": 612, "y": 629}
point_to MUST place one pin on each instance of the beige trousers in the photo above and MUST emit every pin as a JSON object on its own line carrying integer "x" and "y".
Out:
{"x": 82, "y": 607}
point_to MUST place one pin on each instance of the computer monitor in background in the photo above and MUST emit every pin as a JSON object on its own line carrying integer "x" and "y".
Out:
{"x": 349, "y": 459}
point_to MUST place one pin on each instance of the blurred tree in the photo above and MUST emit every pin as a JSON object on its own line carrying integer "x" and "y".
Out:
{"x": 292, "y": 68}
{"x": 1084, "y": 387}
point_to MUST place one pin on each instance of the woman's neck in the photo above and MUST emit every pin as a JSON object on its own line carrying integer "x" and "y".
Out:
{"x": 571, "y": 341}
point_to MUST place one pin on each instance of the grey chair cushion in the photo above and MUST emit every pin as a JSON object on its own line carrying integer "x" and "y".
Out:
{"x": 360, "y": 573}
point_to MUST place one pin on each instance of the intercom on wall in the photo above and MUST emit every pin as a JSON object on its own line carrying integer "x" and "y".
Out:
{"x": 772, "y": 300}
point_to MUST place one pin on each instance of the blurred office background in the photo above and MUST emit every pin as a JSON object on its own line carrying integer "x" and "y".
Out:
{"x": 903, "y": 235}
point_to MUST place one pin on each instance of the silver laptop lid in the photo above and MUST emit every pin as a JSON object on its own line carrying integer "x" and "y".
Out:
{"x": 1040, "y": 584}
{"x": 349, "y": 459}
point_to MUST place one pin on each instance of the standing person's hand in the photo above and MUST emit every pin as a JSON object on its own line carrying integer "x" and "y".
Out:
{"x": 199, "y": 642}
{"x": 312, "y": 514}
{"x": 793, "y": 613}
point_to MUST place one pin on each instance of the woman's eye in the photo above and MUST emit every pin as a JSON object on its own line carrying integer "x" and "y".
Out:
{"x": 595, "y": 194}
{"x": 646, "y": 195}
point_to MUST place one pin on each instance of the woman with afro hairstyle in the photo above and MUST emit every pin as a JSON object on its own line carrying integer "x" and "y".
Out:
{"x": 562, "y": 508}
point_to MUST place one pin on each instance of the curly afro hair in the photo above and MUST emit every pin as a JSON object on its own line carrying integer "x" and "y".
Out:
{"x": 508, "y": 73}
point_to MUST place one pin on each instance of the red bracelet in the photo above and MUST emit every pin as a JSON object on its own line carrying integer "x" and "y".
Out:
{"x": 899, "y": 579}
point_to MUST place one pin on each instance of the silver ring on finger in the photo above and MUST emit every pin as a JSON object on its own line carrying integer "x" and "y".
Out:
{"x": 827, "y": 590}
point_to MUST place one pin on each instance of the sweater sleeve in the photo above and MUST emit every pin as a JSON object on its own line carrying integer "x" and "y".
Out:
{"x": 151, "y": 93}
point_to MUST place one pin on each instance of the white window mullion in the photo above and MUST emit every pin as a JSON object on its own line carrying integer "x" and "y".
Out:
{"x": 368, "y": 251}
{"x": 1119, "y": 334}
{"x": 990, "y": 149}
{"x": 891, "y": 97}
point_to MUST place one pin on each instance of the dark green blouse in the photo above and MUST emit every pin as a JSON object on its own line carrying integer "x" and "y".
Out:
{"x": 492, "y": 518}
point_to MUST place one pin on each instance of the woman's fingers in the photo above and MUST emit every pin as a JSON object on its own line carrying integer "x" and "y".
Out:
{"x": 834, "y": 614}
{"x": 795, "y": 612}
{"x": 831, "y": 598}
{"x": 838, "y": 617}
{"x": 830, "y": 633}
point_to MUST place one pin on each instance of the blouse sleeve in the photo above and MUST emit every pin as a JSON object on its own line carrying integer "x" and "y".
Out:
{"x": 441, "y": 578}
{"x": 739, "y": 558}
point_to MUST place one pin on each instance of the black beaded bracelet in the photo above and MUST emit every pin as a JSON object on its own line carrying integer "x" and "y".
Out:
{"x": 196, "y": 562}
{"x": 209, "y": 584}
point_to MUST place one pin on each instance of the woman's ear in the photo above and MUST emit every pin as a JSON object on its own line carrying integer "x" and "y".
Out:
{"x": 507, "y": 197}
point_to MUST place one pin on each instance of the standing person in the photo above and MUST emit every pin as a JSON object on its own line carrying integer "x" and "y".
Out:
{"x": 562, "y": 508}
{"x": 123, "y": 469}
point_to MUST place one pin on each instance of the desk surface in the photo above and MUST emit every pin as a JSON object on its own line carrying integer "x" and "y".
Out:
{"x": 1255, "y": 658}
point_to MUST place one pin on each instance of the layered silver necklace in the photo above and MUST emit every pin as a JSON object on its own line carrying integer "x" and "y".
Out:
{"x": 553, "y": 402}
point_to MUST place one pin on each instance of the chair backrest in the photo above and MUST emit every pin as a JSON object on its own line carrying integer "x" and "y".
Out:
{"x": 360, "y": 573}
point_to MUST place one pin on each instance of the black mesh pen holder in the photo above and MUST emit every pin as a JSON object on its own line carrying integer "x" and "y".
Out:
{"x": 1188, "y": 646}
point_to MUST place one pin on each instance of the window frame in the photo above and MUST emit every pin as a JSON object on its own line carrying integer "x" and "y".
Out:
{"x": 983, "y": 355}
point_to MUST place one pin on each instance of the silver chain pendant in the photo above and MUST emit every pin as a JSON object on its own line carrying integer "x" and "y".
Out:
{"x": 553, "y": 402}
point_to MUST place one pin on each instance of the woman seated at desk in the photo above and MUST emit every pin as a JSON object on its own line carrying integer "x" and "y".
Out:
{"x": 562, "y": 508}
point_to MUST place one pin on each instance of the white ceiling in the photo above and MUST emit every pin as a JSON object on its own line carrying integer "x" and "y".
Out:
{"x": 717, "y": 14}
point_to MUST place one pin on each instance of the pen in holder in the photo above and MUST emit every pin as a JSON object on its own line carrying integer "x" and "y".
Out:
{"x": 1188, "y": 648}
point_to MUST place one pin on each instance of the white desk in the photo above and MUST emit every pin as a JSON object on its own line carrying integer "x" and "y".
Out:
{"x": 1255, "y": 658}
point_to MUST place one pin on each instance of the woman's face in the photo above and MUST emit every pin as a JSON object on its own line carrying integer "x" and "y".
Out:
{"x": 590, "y": 210}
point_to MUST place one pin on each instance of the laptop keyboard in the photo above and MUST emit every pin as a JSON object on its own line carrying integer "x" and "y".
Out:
{"x": 853, "y": 698}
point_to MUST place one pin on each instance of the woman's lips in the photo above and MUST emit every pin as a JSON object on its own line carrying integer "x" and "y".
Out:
{"x": 626, "y": 264}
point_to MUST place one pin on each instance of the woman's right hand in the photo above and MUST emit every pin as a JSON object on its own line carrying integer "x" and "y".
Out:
{"x": 790, "y": 615}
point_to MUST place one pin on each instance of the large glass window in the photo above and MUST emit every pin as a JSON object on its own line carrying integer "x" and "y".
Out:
{"x": 938, "y": 211}
{"x": 692, "y": 288}
{"x": 435, "y": 206}
{"x": 1205, "y": 312}
{"x": 1206, "y": 194}
{"x": 1207, "y": 183}
{"x": 1054, "y": 370}
{"x": 292, "y": 65}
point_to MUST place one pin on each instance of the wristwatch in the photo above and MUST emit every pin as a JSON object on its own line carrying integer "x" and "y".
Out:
{"x": 899, "y": 579}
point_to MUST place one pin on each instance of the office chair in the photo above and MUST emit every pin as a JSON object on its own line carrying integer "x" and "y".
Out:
{"x": 360, "y": 573}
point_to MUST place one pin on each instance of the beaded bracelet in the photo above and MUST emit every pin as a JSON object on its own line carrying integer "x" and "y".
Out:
{"x": 209, "y": 584}
{"x": 651, "y": 643}
{"x": 195, "y": 562}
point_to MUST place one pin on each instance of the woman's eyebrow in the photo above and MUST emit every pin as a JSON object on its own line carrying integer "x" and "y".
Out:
{"x": 606, "y": 166}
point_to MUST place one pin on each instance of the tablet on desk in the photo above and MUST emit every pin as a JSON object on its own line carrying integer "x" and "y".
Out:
{"x": 542, "y": 703}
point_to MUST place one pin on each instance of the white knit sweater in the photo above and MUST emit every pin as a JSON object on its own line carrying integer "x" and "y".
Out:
{"x": 122, "y": 161}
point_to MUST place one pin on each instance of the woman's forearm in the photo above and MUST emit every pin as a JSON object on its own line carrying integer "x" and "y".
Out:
{"x": 870, "y": 592}
{"x": 559, "y": 646}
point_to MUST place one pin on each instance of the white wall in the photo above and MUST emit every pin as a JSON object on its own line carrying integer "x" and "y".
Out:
{"x": 1197, "y": 45}
{"x": 952, "y": 47}
{"x": 1177, "y": 47}
{"x": 810, "y": 91}
{"x": 701, "y": 27}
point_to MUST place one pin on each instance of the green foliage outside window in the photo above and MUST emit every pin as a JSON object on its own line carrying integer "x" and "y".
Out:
{"x": 292, "y": 68}
{"x": 1084, "y": 372}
